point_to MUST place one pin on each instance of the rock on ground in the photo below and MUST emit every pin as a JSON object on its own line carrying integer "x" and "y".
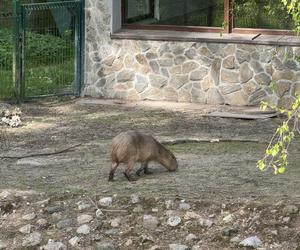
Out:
{"x": 290, "y": 209}
{"x": 83, "y": 229}
{"x": 74, "y": 241}
{"x": 138, "y": 209}
{"x": 191, "y": 237}
{"x": 105, "y": 202}
{"x": 150, "y": 221}
{"x": 115, "y": 222}
{"x": 65, "y": 223}
{"x": 174, "y": 221}
{"x": 229, "y": 218}
{"x": 83, "y": 206}
{"x": 178, "y": 247}
{"x": 253, "y": 241}
{"x": 135, "y": 198}
{"x": 42, "y": 223}
{"x": 191, "y": 215}
{"x": 235, "y": 240}
{"x": 3, "y": 245}
{"x": 184, "y": 206}
{"x": 99, "y": 213}
{"x": 84, "y": 218}
{"x": 54, "y": 209}
{"x": 129, "y": 242}
{"x": 32, "y": 239}
{"x": 170, "y": 204}
{"x": 30, "y": 216}
{"x": 104, "y": 245}
{"x": 205, "y": 222}
{"x": 54, "y": 246}
{"x": 25, "y": 229}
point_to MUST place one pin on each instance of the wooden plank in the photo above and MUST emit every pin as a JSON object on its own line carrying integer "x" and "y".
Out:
{"x": 161, "y": 35}
{"x": 245, "y": 116}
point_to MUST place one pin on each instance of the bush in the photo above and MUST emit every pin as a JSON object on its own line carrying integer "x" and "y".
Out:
{"x": 44, "y": 49}
{"x": 40, "y": 49}
{"x": 6, "y": 49}
{"x": 50, "y": 79}
{"x": 49, "y": 64}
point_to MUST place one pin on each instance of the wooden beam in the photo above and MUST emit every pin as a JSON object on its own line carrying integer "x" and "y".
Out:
{"x": 228, "y": 16}
{"x": 172, "y": 28}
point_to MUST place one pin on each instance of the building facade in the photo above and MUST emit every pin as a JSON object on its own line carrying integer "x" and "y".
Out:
{"x": 132, "y": 62}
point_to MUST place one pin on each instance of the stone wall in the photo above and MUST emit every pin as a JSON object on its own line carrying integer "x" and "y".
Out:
{"x": 212, "y": 73}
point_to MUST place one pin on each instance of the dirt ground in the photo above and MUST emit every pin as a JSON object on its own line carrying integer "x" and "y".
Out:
{"x": 221, "y": 173}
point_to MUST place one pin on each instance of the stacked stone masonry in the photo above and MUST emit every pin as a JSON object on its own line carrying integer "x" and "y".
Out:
{"x": 234, "y": 74}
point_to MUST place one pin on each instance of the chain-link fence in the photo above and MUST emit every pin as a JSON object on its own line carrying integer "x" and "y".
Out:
{"x": 40, "y": 49}
{"x": 6, "y": 49}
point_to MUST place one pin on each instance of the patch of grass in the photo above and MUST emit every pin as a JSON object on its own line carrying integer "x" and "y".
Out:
{"x": 41, "y": 80}
{"x": 49, "y": 66}
{"x": 41, "y": 49}
{"x": 6, "y": 85}
{"x": 49, "y": 79}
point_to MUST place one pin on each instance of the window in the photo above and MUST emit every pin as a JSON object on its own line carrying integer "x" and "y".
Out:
{"x": 241, "y": 16}
{"x": 175, "y": 12}
{"x": 263, "y": 14}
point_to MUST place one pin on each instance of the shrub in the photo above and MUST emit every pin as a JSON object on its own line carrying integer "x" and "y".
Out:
{"x": 40, "y": 49}
{"x": 6, "y": 49}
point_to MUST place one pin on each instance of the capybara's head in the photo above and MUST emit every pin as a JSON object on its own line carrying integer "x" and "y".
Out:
{"x": 168, "y": 160}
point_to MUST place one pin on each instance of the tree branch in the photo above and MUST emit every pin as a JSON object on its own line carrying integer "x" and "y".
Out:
{"x": 40, "y": 154}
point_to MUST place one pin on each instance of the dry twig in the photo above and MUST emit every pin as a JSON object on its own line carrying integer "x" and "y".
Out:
{"x": 40, "y": 154}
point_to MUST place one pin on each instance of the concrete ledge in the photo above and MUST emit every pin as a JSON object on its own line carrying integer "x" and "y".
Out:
{"x": 163, "y": 35}
{"x": 200, "y": 109}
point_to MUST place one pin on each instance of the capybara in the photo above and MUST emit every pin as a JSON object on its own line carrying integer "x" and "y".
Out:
{"x": 131, "y": 147}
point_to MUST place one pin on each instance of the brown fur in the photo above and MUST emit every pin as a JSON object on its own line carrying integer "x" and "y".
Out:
{"x": 131, "y": 147}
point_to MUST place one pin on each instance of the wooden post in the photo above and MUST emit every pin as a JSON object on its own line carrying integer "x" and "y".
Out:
{"x": 228, "y": 16}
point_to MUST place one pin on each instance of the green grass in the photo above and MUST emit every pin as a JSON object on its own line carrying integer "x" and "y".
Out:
{"x": 42, "y": 80}
{"x": 49, "y": 66}
{"x": 51, "y": 79}
{"x": 6, "y": 84}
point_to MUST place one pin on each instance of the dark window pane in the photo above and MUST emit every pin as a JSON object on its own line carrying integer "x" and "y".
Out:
{"x": 263, "y": 14}
{"x": 175, "y": 12}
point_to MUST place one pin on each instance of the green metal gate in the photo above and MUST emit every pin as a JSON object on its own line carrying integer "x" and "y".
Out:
{"x": 49, "y": 48}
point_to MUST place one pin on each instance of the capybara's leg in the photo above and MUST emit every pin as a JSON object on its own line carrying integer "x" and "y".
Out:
{"x": 142, "y": 168}
{"x": 114, "y": 166}
{"x": 130, "y": 166}
{"x": 146, "y": 169}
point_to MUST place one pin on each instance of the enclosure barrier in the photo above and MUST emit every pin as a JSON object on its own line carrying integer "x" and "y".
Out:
{"x": 40, "y": 48}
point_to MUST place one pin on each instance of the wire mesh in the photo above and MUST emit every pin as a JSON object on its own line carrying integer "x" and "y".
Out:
{"x": 6, "y": 50}
{"x": 47, "y": 51}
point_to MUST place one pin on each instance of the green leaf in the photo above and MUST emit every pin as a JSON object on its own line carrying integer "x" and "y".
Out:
{"x": 263, "y": 105}
{"x": 261, "y": 165}
{"x": 281, "y": 170}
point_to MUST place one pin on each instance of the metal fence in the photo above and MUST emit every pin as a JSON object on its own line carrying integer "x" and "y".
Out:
{"x": 6, "y": 50}
{"x": 40, "y": 48}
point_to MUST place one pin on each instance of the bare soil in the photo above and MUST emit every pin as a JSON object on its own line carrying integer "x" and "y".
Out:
{"x": 217, "y": 173}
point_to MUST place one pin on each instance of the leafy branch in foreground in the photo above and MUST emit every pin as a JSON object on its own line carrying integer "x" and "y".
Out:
{"x": 293, "y": 8}
{"x": 276, "y": 155}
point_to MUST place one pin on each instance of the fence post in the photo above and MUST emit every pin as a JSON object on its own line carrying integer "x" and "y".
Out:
{"x": 16, "y": 50}
{"x": 82, "y": 47}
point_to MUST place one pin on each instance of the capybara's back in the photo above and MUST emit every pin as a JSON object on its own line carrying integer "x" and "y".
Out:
{"x": 134, "y": 146}
{"x": 131, "y": 147}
